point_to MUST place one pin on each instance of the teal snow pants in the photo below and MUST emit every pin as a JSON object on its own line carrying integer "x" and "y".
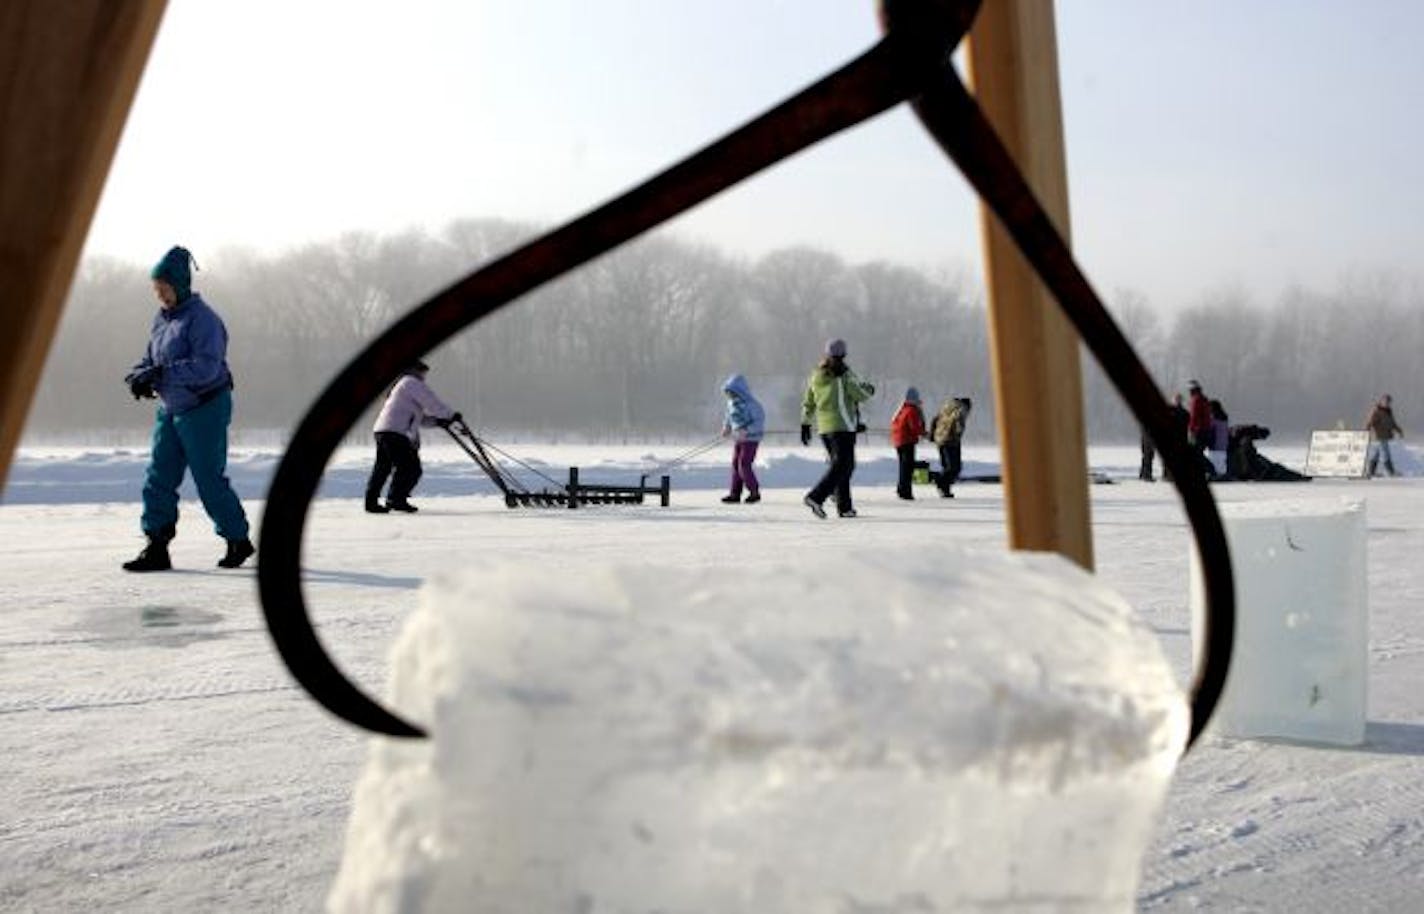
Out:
{"x": 196, "y": 441}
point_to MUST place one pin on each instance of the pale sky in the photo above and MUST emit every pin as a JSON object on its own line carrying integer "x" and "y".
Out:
{"x": 1210, "y": 144}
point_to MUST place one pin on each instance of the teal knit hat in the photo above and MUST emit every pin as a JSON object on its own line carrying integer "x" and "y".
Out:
{"x": 174, "y": 270}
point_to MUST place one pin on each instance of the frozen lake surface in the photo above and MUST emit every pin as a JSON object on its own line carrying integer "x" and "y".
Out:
{"x": 160, "y": 759}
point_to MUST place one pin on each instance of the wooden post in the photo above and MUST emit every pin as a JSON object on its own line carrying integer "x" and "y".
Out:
{"x": 68, "y": 73}
{"x": 1013, "y": 61}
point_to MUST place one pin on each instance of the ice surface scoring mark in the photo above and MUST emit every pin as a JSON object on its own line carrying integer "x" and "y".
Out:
{"x": 175, "y": 626}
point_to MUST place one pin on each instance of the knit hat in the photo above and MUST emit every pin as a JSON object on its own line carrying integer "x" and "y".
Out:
{"x": 836, "y": 348}
{"x": 174, "y": 270}
{"x": 912, "y": 395}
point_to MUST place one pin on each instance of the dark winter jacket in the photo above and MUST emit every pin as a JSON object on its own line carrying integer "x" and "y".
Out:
{"x": 1381, "y": 423}
{"x": 1180, "y": 420}
{"x": 948, "y": 425}
{"x": 186, "y": 355}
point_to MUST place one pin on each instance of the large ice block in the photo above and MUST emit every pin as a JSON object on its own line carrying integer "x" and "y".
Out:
{"x": 1299, "y": 669}
{"x": 917, "y": 732}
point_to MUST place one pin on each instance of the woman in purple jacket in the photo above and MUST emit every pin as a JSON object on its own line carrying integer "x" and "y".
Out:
{"x": 409, "y": 405}
{"x": 185, "y": 368}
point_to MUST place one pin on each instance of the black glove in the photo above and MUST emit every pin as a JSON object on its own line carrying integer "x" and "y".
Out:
{"x": 805, "y": 433}
{"x": 446, "y": 423}
{"x": 141, "y": 383}
{"x": 859, "y": 428}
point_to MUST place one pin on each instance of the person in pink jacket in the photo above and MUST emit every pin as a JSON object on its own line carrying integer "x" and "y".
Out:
{"x": 409, "y": 405}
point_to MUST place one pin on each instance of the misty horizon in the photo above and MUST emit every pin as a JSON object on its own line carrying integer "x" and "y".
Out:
{"x": 565, "y": 362}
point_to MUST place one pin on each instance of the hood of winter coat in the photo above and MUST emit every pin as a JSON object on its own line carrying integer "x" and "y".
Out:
{"x": 736, "y": 384}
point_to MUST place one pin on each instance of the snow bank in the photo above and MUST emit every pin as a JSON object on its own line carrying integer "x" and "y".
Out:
{"x": 58, "y": 475}
{"x": 923, "y": 731}
{"x": 1406, "y": 462}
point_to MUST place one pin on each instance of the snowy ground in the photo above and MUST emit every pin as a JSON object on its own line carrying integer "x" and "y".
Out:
{"x": 159, "y": 759}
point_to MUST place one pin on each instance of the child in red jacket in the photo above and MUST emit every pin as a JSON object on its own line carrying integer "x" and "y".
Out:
{"x": 906, "y": 429}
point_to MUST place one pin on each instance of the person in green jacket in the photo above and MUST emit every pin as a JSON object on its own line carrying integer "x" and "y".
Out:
{"x": 833, "y": 397}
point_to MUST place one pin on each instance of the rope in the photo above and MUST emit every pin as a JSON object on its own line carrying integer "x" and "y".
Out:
{"x": 503, "y": 480}
{"x": 510, "y": 457}
{"x": 695, "y": 451}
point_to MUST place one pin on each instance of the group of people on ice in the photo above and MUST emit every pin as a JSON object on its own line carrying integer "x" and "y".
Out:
{"x": 831, "y": 406}
{"x": 184, "y": 367}
{"x": 1224, "y": 451}
{"x": 945, "y": 431}
{"x": 1228, "y": 452}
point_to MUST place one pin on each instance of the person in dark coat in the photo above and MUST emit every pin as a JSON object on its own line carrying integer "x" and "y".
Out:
{"x": 1247, "y": 464}
{"x": 1383, "y": 428}
{"x": 1180, "y": 420}
{"x": 947, "y": 433}
{"x": 185, "y": 368}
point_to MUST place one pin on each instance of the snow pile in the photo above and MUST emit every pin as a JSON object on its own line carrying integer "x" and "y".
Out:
{"x": 921, "y": 731}
{"x": 1300, "y": 664}
{"x": 60, "y": 475}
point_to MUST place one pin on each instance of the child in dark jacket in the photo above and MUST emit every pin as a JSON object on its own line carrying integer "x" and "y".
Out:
{"x": 906, "y": 429}
{"x": 946, "y": 432}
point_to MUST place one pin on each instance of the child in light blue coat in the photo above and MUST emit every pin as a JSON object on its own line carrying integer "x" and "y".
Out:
{"x": 746, "y": 424}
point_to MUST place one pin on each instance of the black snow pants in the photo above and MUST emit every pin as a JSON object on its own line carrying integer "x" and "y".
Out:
{"x": 394, "y": 451}
{"x": 841, "y": 447}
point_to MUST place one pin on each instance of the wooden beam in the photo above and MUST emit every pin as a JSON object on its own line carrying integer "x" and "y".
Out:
{"x": 1013, "y": 61}
{"x": 68, "y": 73}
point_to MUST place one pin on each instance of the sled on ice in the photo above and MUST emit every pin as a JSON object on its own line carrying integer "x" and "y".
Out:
{"x": 568, "y": 494}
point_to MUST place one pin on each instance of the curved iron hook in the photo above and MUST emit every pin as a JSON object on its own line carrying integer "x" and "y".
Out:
{"x": 912, "y": 61}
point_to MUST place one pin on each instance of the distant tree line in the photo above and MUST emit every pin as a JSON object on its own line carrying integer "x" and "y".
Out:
{"x": 1312, "y": 360}
{"x": 637, "y": 343}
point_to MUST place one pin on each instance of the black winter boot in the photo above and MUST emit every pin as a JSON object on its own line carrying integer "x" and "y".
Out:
{"x": 401, "y": 505}
{"x": 374, "y": 506}
{"x": 154, "y": 557}
{"x": 238, "y": 551}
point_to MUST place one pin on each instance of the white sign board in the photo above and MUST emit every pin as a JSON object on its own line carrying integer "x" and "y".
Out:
{"x": 1337, "y": 454}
